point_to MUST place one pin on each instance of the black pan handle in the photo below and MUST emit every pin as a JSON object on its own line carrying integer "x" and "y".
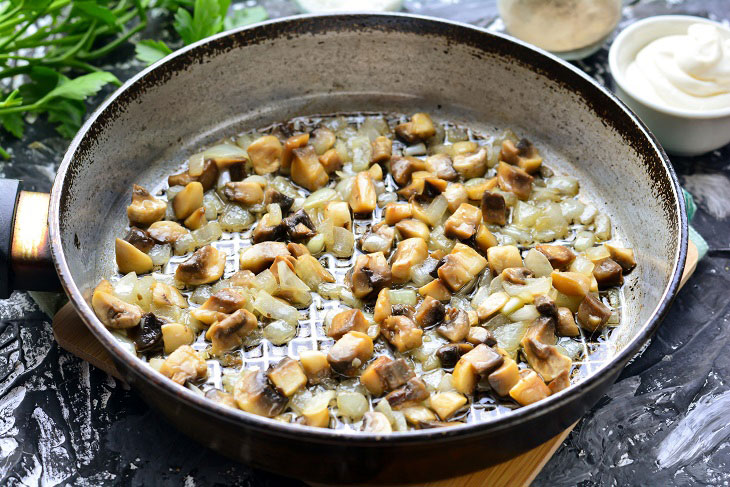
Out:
{"x": 25, "y": 253}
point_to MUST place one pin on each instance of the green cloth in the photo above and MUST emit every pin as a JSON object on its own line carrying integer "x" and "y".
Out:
{"x": 694, "y": 236}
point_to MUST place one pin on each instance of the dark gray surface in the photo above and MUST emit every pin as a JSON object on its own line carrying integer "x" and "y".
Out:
{"x": 664, "y": 422}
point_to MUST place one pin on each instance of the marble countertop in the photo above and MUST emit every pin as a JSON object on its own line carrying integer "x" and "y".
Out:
{"x": 664, "y": 422}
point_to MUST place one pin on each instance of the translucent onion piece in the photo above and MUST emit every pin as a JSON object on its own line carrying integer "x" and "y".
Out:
{"x": 235, "y": 219}
{"x": 509, "y": 335}
{"x": 319, "y": 198}
{"x": 343, "y": 242}
{"x": 316, "y": 244}
{"x": 270, "y": 307}
{"x": 403, "y": 296}
{"x": 420, "y": 273}
{"x": 584, "y": 240}
{"x": 582, "y": 266}
{"x": 124, "y": 288}
{"x": 352, "y": 405}
{"x": 525, "y": 214}
{"x": 344, "y": 187}
{"x": 280, "y": 332}
{"x": 372, "y": 242}
{"x": 201, "y": 294}
{"x": 195, "y": 164}
{"x": 563, "y": 184}
{"x": 572, "y": 210}
{"x": 208, "y": 233}
{"x": 184, "y": 244}
{"x": 212, "y": 204}
{"x": 274, "y": 213}
{"x": 526, "y": 313}
{"x": 603, "y": 226}
{"x": 436, "y": 209}
{"x": 266, "y": 281}
{"x": 538, "y": 263}
{"x": 415, "y": 150}
{"x": 160, "y": 254}
{"x": 225, "y": 152}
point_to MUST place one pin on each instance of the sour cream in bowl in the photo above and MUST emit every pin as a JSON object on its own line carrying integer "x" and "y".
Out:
{"x": 674, "y": 72}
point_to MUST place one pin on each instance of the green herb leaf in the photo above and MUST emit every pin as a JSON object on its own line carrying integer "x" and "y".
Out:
{"x": 97, "y": 11}
{"x": 68, "y": 115}
{"x": 207, "y": 19}
{"x": 81, "y": 87}
{"x": 245, "y": 16}
{"x": 150, "y": 51}
{"x": 13, "y": 123}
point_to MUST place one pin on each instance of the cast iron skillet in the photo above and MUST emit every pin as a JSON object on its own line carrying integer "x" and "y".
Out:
{"x": 347, "y": 63}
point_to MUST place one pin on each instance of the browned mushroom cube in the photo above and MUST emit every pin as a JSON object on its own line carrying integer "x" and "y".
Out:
{"x": 478, "y": 335}
{"x": 559, "y": 256}
{"x": 204, "y": 266}
{"x": 244, "y": 192}
{"x": 461, "y": 266}
{"x": 130, "y": 259}
{"x": 491, "y": 306}
{"x": 386, "y": 374}
{"x": 430, "y": 313}
{"x": 464, "y": 377}
{"x": 315, "y": 365}
{"x": 450, "y": 354}
{"x": 409, "y": 394}
{"x": 255, "y": 395}
{"x": 409, "y": 253}
{"x": 505, "y": 377}
{"x": 184, "y": 364}
{"x": 514, "y": 180}
{"x": 483, "y": 358}
{"x": 140, "y": 239}
{"x": 436, "y": 289}
{"x": 145, "y": 208}
{"x": 524, "y": 155}
{"x": 402, "y": 332}
{"x": 530, "y": 389}
{"x": 463, "y": 223}
{"x": 445, "y": 404}
{"x": 331, "y": 161}
{"x": 375, "y": 422}
{"x": 112, "y": 311}
{"x": 363, "y": 198}
{"x": 441, "y": 166}
{"x": 261, "y": 255}
{"x": 265, "y": 153}
{"x": 623, "y": 257}
{"x": 346, "y": 321}
{"x": 287, "y": 376}
{"x": 471, "y": 165}
{"x": 411, "y": 228}
{"x": 401, "y": 168}
{"x": 546, "y": 306}
{"x": 456, "y": 195}
{"x": 544, "y": 358}
{"x": 266, "y": 232}
{"x": 382, "y": 149}
{"x": 419, "y": 128}
{"x": 485, "y": 239}
{"x": 350, "y": 352}
{"x": 166, "y": 231}
{"x": 571, "y": 283}
{"x": 592, "y": 314}
{"x": 294, "y": 142}
{"x": 494, "y": 208}
{"x": 565, "y": 324}
{"x": 395, "y": 212}
{"x": 196, "y": 219}
{"x": 382, "y": 306}
{"x": 456, "y": 325}
{"x": 338, "y": 212}
{"x": 560, "y": 382}
{"x": 608, "y": 273}
{"x": 306, "y": 170}
{"x": 229, "y": 333}
{"x": 188, "y": 200}
{"x": 503, "y": 257}
{"x": 369, "y": 275}
{"x": 208, "y": 178}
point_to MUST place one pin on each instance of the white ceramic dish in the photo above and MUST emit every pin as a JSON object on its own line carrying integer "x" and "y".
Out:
{"x": 681, "y": 132}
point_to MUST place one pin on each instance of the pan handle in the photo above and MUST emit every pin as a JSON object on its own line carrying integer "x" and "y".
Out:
{"x": 25, "y": 253}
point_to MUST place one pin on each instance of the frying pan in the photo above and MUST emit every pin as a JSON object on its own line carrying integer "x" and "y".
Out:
{"x": 348, "y": 63}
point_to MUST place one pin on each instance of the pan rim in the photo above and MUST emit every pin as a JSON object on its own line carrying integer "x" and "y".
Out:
{"x": 534, "y": 411}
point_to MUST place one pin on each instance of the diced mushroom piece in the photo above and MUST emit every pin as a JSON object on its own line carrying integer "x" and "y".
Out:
{"x": 571, "y": 283}
{"x": 491, "y": 306}
{"x": 331, "y": 161}
{"x": 206, "y": 316}
{"x": 455, "y": 195}
{"x": 221, "y": 397}
{"x": 378, "y": 239}
{"x": 376, "y": 422}
{"x": 450, "y": 354}
{"x": 229, "y": 333}
{"x": 419, "y": 128}
{"x": 338, "y": 212}
{"x": 517, "y": 275}
{"x": 298, "y": 250}
{"x": 145, "y": 208}
{"x": 409, "y": 253}
{"x": 416, "y": 187}
{"x": 376, "y": 172}
{"x": 395, "y": 212}
{"x": 505, "y": 377}
{"x": 346, "y": 321}
{"x": 382, "y": 149}
{"x": 559, "y": 256}
{"x": 411, "y": 228}
{"x": 140, "y": 239}
{"x": 188, "y": 200}
{"x": 112, "y": 311}
{"x": 436, "y": 289}
{"x": 226, "y": 301}
{"x": 261, "y": 255}
{"x": 196, "y": 219}
{"x": 478, "y": 335}
{"x": 546, "y": 306}
{"x": 483, "y": 358}
{"x": 184, "y": 364}
{"x": 503, "y": 257}
{"x": 485, "y": 239}
{"x": 430, "y": 313}
{"x": 266, "y": 232}
{"x": 471, "y": 165}
{"x": 463, "y": 223}
{"x": 147, "y": 336}
{"x": 255, "y": 395}
{"x": 350, "y": 352}
{"x": 543, "y": 357}
{"x": 494, "y": 208}
{"x": 592, "y": 314}
{"x": 176, "y": 335}
{"x": 294, "y": 142}
{"x": 204, "y": 266}
{"x": 530, "y": 389}
{"x": 244, "y": 192}
{"x": 565, "y": 323}
{"x": 409, "y": 394}
{"x": 273, "y": 196}
{"x": 166, "y": 232}
{"x": 608, "y": 273}
{"x": 560, "y": 382}
{"x": 306, "y": 170}
{"x": 382, "y": 306}
{"x": 623, "y": 257}
{"x": 402, "y": 332}
{"x": 166, "y": 295}
{"x": 441, "y": 166}
{"x": 208, "y": 178}
{"x": 461, "y": 266}
{"x": 385, "y": 374}
{"x": 445, "y": 404}
{"x": 524, "y": 155}
{"x": 464, "y": 378}
{"x": 363, "y": 198}
{"x": 420, "y": 417}
{"x": 401, "y": 168}
{"x": 299, "y": 226}
{"x": 287, "y": 376}
{"x": 515, "y": 180}
{"x": 130, "y": 259}
{"x": 265, "y": 153}
{"x": 315, "y": 365}
{"x": 403, "y": 310}
{"x": 456, "y": 326}
{"x": 309, "y": 270}
{"x": 369, "y": 275}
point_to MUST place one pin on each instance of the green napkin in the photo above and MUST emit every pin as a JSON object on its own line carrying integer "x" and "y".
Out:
{"x": 694, "y": 236}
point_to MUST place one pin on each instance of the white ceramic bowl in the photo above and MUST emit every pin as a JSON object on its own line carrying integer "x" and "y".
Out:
{"x": 681, "y": 132}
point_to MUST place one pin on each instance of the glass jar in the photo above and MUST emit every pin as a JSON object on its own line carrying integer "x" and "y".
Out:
{"x": 571, "y": 29}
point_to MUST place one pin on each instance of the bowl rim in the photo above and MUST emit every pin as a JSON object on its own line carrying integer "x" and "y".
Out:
{"x": 617, "y": 70}
{"x": 140, "y": 371}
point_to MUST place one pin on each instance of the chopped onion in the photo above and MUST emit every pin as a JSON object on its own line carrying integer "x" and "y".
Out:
{"x": 195, "y": 164}
{"x": 361, "y": 150}
{"x": 403, "y": 296}
{"x": 208, "y": 233}
{"x": 438, "y": 241}
{"x": 415, "y": 150}
{"x": 320, "y": 198}
{"x": 160, "y": 254}
{"x": 572, "y": 210}
{"x": 538, "y": 263}
{"x": 284, "y": 186}
{"x": 584, "y": 240}
{"x": 420, "y": 273}
{"x": 212, "y": 204}
{"x": 270, "y": 307}
{"x": 386, "y": 197}
{"x": 481, "y": 294}
{"x": 519, "y": 235}
{"x": 436, "y": 209}
{"x": 349, "y": 299}
{"x": 344, "y": 187}
{"x": 526, "y": 313}
{"x": 603, "y": 226}
{"x": 343, "y": 244}
{"x": 510, "y": 335}
{"x": 329, "y": 290}
{"x": 184, "y": 244}
{"x": 224, "y": 153}
{"x": 235, "y": 219}
{"x": 316, "y": 244}
{"x": 266, "y": 281}
{"x": 566, "y": 185}
{"x": 288, "y": 280}
{"x": 352, "y": 405}
{"x": 201, "y": 294}
{"x": 582, "y": 266}
{"x": 594, "y": 254}
{"x": 589, "y": 213}
{"x": 124, "y": 288}
{"x": 274, "y": 214}
{"x": 372, "y": 242}
{"x": 525, "y": 214}
{"x": 280, "y": 332}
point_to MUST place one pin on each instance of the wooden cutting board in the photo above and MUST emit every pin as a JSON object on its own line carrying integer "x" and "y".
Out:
{"x": 72, "y": 335}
